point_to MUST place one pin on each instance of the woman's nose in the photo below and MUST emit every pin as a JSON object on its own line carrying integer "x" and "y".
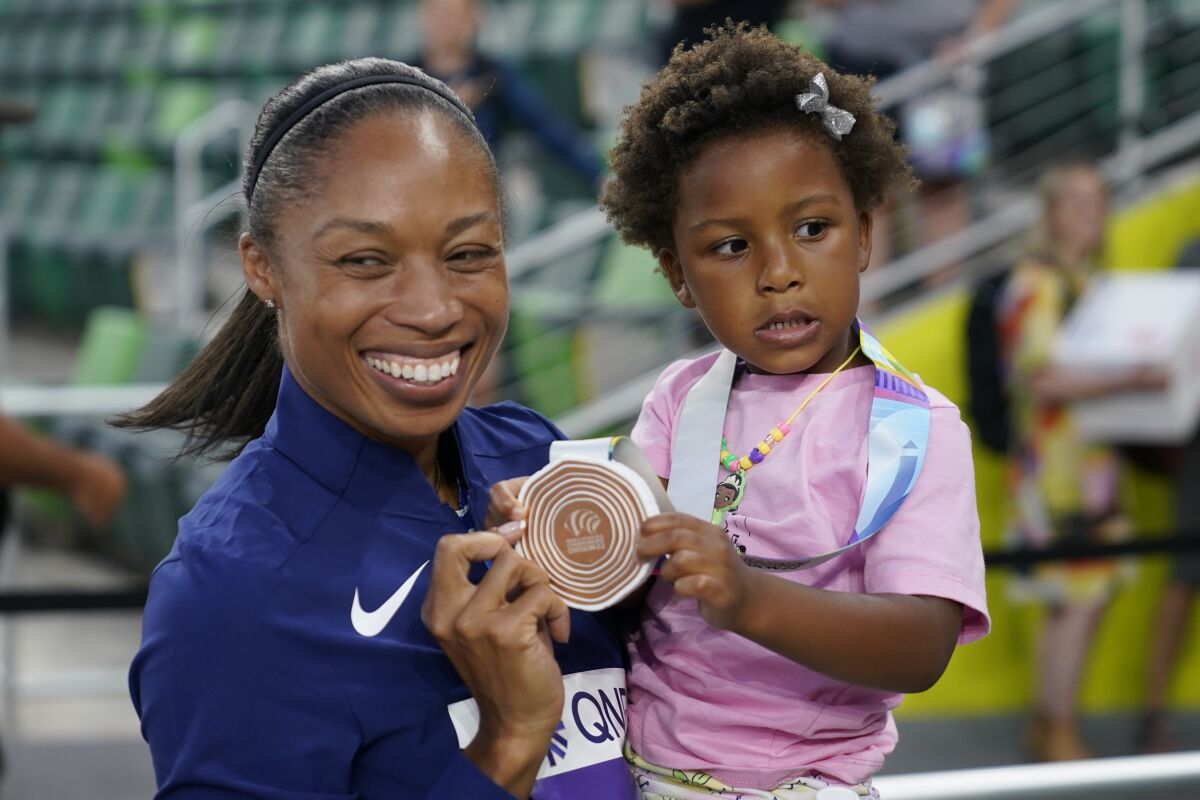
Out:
{"x": 425, "y": 298}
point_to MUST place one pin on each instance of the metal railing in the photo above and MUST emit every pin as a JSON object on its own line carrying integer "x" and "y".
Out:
{"x": 1133, "y": 157}
{"x": 1130, "y": 776}
{"x": 198, "y": 211}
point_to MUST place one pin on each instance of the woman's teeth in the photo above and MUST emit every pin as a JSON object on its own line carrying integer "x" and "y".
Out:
{"x": 782, "y": 326}
{"x": 416, "y": 371}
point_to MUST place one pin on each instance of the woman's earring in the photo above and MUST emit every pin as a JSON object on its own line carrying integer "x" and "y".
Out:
{"x": 270, "y": 303}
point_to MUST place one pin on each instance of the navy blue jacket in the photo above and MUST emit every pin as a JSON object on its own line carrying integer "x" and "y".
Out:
{"x": 272, "y": 663}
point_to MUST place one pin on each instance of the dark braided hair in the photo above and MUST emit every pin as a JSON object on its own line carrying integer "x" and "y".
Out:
{"x": 224, "y": 398}
{"x": 741, "y": 81}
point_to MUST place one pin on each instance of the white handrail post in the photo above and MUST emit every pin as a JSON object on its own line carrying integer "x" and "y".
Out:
{"x": 1131, "y": 98}
{"x": 193, "y": 206}
{"x": 5, "y": 317}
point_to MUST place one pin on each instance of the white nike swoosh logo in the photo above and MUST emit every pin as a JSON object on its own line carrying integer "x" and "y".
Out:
{"x": 370, "y": 623}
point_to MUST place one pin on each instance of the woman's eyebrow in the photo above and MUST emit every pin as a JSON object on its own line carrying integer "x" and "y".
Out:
{"x": 453, "y": 228}
{"x": 466, "y": 223}
{"x": 361, "y": 225}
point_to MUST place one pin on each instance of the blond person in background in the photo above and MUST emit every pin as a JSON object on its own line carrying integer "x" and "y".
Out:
{"x": 1064, "y": 488}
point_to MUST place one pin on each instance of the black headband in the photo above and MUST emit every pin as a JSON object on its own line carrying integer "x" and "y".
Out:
{"x": 324, "y": 97}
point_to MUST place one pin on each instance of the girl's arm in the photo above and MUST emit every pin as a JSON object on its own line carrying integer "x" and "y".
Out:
{"x": 893, "y": 642}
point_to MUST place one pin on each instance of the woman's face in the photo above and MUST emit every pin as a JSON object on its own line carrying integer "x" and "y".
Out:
{"x": 1078, "y": 213}
{"x": 389, "y": 277}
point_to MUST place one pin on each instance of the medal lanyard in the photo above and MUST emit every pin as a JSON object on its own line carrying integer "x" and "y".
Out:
{"x": 897, "y": 439}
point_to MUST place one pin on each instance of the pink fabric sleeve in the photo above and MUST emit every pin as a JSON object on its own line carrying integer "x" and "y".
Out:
{"x": 656, "y": 423}
{"x": 932, "y": 546}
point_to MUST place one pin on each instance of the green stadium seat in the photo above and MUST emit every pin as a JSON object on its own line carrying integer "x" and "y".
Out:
{"x": 622, "y": 24}
{"x": 111, "y": 347}
{"x": 629, "y": 281}
{"x": 360, "y": 32}
{"x": 193, "y": 43}
{"x": 402, "y": 35}
{"x": 129, "y": 119}
{"x": 312, "y": 36}
{"x": 255, "y": 37}
{"x": 543, "y": 356}
{"x": 19, "y": 187}
{"x": 564, "y": 27}
{"x": 166, "y": 352}
{"x": 179, "y": 103}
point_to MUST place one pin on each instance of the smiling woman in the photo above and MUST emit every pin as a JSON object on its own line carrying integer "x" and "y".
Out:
{"x": 285, "y": 652}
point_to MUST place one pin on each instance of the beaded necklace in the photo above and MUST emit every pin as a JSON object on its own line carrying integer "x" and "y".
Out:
{"x": 733, "y": 463}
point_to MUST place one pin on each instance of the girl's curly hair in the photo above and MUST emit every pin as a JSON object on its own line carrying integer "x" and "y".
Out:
{"x": 741, "y": 81}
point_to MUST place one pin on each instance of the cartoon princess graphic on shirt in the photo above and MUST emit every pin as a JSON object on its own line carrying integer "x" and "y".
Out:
{"x": 729, "y": 496}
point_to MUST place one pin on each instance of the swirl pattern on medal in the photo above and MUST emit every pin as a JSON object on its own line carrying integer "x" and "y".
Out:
{"x": 581, "y": 521}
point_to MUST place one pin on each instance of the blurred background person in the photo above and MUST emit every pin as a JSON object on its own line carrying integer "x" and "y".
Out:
{"x": 501, "y": 99}
{"x": 885, "y": 37}
{"x": 495, "y": 91}
{"x": 1065, "y": 489}
{"x": 93, "y": 483}
{"x": 689, "y": 18}
{"x": 1174, "y": 613}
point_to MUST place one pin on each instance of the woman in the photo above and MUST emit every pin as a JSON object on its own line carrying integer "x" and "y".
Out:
{"x": 1065, "y": 488}
{"x": 312, "y": 633}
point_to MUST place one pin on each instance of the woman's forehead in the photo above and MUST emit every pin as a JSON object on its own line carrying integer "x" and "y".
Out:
{"x": 400, "y": 164}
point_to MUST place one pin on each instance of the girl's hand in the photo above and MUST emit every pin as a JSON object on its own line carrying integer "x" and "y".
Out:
{"x": 503, "y": 505}
{"x": 497, "y": 635}
{"x": 702, "y": 564}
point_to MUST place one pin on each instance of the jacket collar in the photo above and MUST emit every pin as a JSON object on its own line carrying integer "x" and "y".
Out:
{"x": 373, "y": 476}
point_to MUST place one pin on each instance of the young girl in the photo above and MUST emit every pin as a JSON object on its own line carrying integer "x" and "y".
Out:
{"x": 751, "y": 170}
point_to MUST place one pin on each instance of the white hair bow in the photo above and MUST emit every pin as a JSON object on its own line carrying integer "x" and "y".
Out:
{"x": 816, "y": 101}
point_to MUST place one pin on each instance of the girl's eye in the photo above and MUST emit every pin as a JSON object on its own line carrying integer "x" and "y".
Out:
{"x": 811, "y": 229}
{"x": 732, "y": 247}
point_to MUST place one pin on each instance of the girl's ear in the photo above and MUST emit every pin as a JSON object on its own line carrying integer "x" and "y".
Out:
{"x": 668, "y": 262}
{"x": 865, "y": 222}
{"x": 256, "y": 269}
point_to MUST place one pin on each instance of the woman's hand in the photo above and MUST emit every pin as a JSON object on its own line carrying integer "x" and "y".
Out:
{"x": 702, "y": 564}
{"x": 497, "y": 635}
{"x": 503, "y": 505}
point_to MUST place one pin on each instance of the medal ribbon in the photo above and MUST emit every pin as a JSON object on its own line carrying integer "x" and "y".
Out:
{"x": 897, "y": 439}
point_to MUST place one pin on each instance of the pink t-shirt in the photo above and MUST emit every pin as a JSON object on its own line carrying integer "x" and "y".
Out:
{"x": 701, "y": 698}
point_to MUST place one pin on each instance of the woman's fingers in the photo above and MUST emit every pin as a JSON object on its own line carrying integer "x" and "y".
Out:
{"x": 509, "y": 576}
{"x": 512, "y": 531}
{"x": 449, "y": 587}
{"x": 541, "y": 603}
{"x": 503, "y": 504}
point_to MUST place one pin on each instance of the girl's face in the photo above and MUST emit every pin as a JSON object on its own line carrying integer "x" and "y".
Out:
{"x": 1078, "y": 212}
{"x": 768, "y": 248}
{"x": 393, "y": 265}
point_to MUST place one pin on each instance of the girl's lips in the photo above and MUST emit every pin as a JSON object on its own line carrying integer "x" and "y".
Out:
{"x": 787, "y": 333}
